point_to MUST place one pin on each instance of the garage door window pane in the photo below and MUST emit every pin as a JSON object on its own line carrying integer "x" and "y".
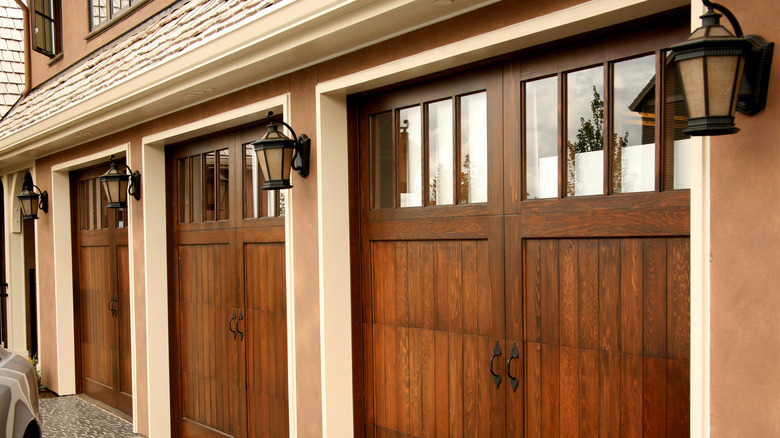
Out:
{"x": 541, "y": 138}
{"x": 410, "y": 157}
{"x": 633, "y": 156}
{"x": 473, "y": 149}
{"x": 440, "y": 145}
{"x": 585, "y": 127}
{"x": 381, "y": 126}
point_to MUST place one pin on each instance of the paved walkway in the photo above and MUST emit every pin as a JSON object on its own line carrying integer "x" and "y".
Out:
{"x": 74, "y": 417}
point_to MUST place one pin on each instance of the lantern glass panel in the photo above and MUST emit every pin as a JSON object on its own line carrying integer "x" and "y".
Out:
{"x": 28, "y": 201}
{"x": 692, "y": 75}
{"x": 725, "y": 73}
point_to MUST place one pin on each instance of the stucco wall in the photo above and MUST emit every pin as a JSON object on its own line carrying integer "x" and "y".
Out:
{"x": 745, "y": 328}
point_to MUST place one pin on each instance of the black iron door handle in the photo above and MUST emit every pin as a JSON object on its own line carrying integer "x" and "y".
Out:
{"x": 496, "y": 353}
{"x": 111, "y": 307}
{"x": 240, "y": 333}
{"x": 230, "y": 325}
{"x": 512, "y": 355}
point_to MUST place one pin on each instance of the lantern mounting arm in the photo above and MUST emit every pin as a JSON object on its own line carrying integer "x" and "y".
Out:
{"x": 134, "y": 188}
{"x": 300, "y": 159}
{"x": 730, "y": 16}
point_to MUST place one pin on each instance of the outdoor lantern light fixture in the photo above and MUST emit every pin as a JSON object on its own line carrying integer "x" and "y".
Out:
{"x": 722, "y": 73}
{"x": 278, "y": 154}
{"x": 118, "y": 184}
{"x": 31, "y": 201}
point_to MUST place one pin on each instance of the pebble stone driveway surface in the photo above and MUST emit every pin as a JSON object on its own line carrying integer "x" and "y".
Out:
{"x": 72, "y": 417}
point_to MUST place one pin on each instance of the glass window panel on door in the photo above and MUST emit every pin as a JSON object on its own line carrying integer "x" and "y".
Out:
{"x": 541, "y": 138}
{"x": 440, "y": 153}
{"x": 473, "y": 175}
{"x": 257, "y": 202}
{"x": 382, "y": 160}
{"x": 410, "y": 157}
{"x": 633, "y": 137}
{"x": 585, "y": 132}
{"x": 677, "y": 144}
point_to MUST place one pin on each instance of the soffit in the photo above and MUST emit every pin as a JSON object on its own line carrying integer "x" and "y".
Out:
{"x": 203, "y": 49}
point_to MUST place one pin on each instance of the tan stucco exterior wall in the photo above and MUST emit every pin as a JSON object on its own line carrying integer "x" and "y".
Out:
{"x": 745, "y": 328}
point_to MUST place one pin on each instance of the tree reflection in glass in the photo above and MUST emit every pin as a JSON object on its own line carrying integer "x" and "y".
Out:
{"x": 585, "y": 138}
{"x": 633, "y": 156}
{"x": 541, "y": 138}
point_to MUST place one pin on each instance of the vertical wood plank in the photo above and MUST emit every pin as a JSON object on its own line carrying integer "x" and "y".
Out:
{"x": 515, "y": 278}
{"x": 471, "y": 414}
{"x": 678, "y": 418}
{"x": 471, "y": 286}
{"x": 401, "y": 291}
{"x": 507, "y": 403}
{"x": 430, "y": 382}
{"x": 588, "y": 294}
{"x": 654, "y": 397}
{"x": 456, "y": 384}
{"x": 421, "y": 286}
{"x": 442, "y": 379}
{"x": 631, "y": 296}
{"x": 449, "y": 300}
{"x": 569, "y": 296}
{"x": 369, "y": 374}
{"x": 403, "y": 380}
{"x": 654, "y": 298}
{"x": 549, "y": 291}
{"x": 609, "y": 294}
{"x": 533, "y": 291}
{"x": 679, "y": 300}
{"x": 533, "y": 397}
{"x": 416, "y": 361}
{"x": 589, "y": 393}
{"x": 550, "y": 390}
{"x": 609, "y": 394}
{"x": 570, "y": 407}
{"x": 631, "y": 388}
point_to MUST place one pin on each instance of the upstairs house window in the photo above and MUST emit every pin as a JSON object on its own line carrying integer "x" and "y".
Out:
{"x": 101, "y": 11}
{"x": 46, "y": 26}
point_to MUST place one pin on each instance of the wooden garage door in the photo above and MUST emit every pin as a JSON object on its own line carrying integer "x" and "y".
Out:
{"x": 521, "y": 272}
{"x": 102, "y": 293}
{"x": 229, "y": 314}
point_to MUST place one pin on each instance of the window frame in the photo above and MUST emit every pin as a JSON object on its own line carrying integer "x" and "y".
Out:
{"x": 56, "y": 22}
{"x": 112, "y": 16}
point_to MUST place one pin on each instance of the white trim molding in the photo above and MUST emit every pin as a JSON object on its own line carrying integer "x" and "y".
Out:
{"x": 156, "y": 254}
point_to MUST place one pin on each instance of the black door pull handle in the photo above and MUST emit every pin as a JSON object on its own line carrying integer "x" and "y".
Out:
{"x": 230, "y": 325}
{"x": 111, "y": 307}
{"x": 496, "y": 353}
{"x": 240, "y": 333}
{"x": 512, "y": 355}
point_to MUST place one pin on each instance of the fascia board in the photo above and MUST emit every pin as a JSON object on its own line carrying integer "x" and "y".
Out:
{"x": 286, "y": 28}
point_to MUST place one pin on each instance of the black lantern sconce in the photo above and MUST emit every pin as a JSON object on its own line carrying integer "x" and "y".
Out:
{"x": 722, "y": 73}
{"x": 278, "y": 154}
{"x": 118, "y": 184}
{"x": 30, "y": 201}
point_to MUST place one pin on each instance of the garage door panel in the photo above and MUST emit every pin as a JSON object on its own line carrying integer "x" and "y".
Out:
{"x": 630, "y": 299}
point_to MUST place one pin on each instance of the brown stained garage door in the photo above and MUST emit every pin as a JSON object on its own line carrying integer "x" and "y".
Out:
{"x": 521, "y": 273}
{"x": 229, "y": 316}
{"x": 102, "y": 293}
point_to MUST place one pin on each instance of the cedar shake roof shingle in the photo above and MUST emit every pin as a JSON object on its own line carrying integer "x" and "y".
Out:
{"x": 11, "y": 55}
{"x": 189, "y": 25}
